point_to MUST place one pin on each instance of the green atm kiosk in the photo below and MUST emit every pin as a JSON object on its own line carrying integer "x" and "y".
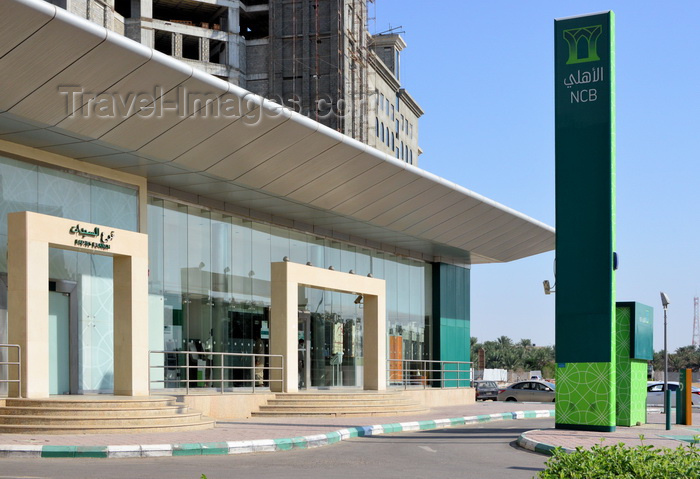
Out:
{"x": 634, "y": 327}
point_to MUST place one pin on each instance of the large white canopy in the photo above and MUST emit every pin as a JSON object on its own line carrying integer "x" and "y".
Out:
{"x": 253, "y": 156}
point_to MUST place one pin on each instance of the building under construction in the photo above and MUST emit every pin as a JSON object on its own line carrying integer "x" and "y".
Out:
{"x": 317, "y": 57}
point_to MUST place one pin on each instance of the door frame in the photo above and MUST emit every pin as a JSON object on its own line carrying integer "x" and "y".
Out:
{"x": 30, "y": 235}
{"x": 286, "y": 279}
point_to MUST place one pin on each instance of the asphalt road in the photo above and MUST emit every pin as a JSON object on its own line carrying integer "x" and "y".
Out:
{"x": 478, "y": 451}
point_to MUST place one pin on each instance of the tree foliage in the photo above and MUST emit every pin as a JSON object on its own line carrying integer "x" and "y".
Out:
{"x": 503, "y": 353}
{"x": 684, "y": 357}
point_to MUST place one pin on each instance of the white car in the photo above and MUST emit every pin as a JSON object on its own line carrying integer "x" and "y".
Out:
{"x": 655, "y": 393}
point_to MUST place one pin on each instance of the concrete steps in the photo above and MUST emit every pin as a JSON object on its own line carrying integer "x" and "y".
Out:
{"x": 95, "y": 414}
{"x": 339, "y": 404}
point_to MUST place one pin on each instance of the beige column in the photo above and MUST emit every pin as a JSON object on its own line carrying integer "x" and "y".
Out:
{"x": 28, "y": 303}
{"x": 375, "y": 342}
{"x": 131, "y": 326}
{"x": 283, "y": 329}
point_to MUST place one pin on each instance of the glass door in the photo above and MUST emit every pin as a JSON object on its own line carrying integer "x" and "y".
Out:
{"x": 59, "y": 343}
{"x": 330, "y": 339}
{"x": 303, "y": 352}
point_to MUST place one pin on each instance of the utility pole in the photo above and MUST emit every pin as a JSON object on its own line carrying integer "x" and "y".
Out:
{"x": 696, "y": 322}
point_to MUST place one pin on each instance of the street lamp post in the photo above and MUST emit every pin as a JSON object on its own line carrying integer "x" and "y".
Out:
{"x": 667, "y": 394}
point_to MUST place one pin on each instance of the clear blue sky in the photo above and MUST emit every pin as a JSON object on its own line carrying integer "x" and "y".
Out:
{"x": 483, "y": 72}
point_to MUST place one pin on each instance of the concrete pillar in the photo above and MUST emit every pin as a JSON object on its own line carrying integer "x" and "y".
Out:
{"x": 177, "y": 45}
{"x": 374, "y": 340}
{"x": 283, "y": 329}
{"x": 203, "y": 49}
{"x": 28, "y": 306}
{"x": 130, "y": 326}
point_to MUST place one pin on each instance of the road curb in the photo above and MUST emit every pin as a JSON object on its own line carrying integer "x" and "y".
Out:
{"x": 531, "y": 445}
{"x": 259, "y": 445}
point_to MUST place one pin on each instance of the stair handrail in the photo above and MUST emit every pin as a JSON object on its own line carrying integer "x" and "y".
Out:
{"x": 192, "y": 363}
{"x": 8, "y": 364}
{"x": 429, "y": 372}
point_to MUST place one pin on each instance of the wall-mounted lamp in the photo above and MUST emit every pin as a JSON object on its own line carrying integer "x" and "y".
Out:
{"x": 358, "y": 300}
{"x": 286, "y": 259}
{"x": 331, "y": 268}
{"x": 352, "y": 271}
{"x": 309, "y": 263}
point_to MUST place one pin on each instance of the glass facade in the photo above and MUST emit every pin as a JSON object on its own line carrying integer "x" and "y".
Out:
{"x": 209, "y": 285}
{"x": 28, "y": 187}
{"x": 211, "y": 273}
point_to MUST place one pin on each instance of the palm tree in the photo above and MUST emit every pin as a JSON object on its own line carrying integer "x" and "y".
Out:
{"x": 504, "y": 342}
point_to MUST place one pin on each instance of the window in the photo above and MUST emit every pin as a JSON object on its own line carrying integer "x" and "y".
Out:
{"x": 386, "y": 104}
{"x": 403, "y": 120}
{"x": 397, "y": 153}
{"x": 402, "y": 150}
{"x": 410, "y": 156}
{"x": 376, "y": 125}
{"x": 392, "y": 112}
{"x": 397, "y": 128}
{"x": 392, "y": 142}
{"x": 382, "y": 132}
{"x": 381, "y": 102}
{"x": 387, "y": 136}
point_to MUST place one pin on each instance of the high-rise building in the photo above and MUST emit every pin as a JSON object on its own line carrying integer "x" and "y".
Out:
{"x": 317, "y": 57}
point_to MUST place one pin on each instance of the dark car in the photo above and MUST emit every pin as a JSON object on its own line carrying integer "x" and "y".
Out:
{"x": 535, "y": 391}
{"x": 486, "y": 390}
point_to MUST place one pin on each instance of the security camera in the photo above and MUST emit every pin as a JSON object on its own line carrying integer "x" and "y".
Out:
{"x": 547, "y": 287}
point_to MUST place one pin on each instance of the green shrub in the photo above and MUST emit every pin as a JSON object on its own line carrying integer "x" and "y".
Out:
{"x": 619, "y": 461}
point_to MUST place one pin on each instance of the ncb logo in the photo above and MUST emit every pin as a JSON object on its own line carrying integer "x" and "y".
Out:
{"x": 583, "y": 44}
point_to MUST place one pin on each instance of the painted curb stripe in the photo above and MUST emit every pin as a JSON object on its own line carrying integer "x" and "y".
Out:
{"x": 272, "y": 445}
{"x": 91, "y": 451}
{"x": 156, "y": 450}
{"x": 20, "y": 451}
{"x": 58, "y": 451}
{"x": 531, "y": 445}
{"x": 187, "y": 450}
{"x": 214, "y": 448}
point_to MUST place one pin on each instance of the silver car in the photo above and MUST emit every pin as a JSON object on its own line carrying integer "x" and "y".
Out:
{"x": 528, "y": 391}
{"x": 655, "y": 393}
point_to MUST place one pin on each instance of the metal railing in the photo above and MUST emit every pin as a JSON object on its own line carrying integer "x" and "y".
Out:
{"x": 6, "y": 365}
{"x": 429, "y": 373}
{"x": 225, "y": 372}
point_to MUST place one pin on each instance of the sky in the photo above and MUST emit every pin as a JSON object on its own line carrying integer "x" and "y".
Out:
{"x": 483, "y": 72}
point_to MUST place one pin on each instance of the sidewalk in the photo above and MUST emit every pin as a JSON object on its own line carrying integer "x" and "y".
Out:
{"x": 654, "y": 432}
{"x": 279, "y": 434}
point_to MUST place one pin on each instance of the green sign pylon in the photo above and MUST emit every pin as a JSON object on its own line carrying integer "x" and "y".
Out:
{"x": 585, "y": 221}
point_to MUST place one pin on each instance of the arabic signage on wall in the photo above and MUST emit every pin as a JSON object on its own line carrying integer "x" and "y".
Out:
{"x": 585, "y": 189}
{"x": 91, "y": 238}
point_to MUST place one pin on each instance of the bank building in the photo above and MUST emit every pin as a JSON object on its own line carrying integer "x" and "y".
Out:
{"x": 164, "y": 231}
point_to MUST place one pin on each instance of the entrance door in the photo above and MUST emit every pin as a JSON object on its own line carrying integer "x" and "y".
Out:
{"x": 59, "y": 343}
{"x": 303, "y": 353}
{"x": 329, "y": 351}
